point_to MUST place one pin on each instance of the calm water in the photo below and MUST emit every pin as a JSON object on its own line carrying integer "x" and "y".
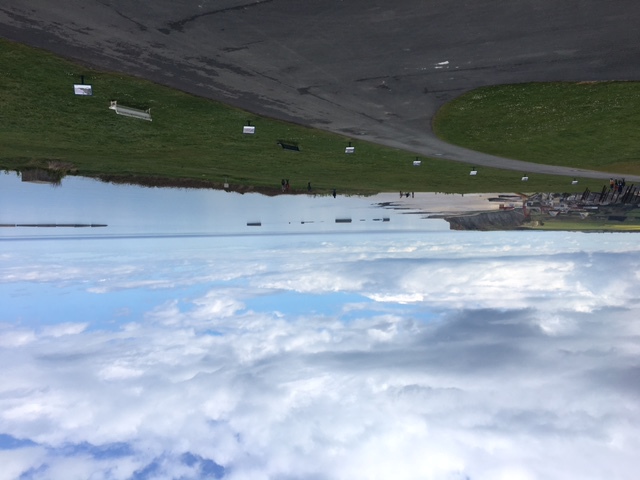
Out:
{"x": 133, "y": 210}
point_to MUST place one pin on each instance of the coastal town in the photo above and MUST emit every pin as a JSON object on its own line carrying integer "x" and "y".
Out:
{"x": 615, "y": 207}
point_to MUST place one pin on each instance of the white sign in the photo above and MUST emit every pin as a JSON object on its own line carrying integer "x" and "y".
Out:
{"x": 250, "y": 129}
{"x": 80, "y": 89}
{"x": 349, "y": 149}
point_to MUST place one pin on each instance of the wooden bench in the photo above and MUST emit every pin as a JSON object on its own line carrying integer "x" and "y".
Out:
{"x": 288, "y": 146}
{"x": 130, "y": 112}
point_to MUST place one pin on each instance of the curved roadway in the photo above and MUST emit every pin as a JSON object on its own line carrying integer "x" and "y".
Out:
{"x": 371, "y": 69}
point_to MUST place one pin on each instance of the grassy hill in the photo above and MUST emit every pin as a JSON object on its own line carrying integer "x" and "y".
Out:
{"x": 583, "y": 125}
{"x": 195, "y": 141}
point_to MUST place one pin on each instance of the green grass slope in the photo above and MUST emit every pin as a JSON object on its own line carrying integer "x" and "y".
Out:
{"x": 190, "y": 138}
{"x": 584, "y": 125}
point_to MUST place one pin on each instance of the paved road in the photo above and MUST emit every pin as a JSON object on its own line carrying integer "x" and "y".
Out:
{"x": 371, "y": 69}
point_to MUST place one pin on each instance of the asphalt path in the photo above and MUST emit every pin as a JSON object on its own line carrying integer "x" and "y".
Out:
{"x": 368, "y": 69}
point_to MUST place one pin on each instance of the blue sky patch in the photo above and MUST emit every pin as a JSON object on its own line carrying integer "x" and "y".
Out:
{"x": 9, "y": 442}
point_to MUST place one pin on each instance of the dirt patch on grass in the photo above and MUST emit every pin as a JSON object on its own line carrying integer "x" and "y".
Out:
{"x": 60, "y": 166}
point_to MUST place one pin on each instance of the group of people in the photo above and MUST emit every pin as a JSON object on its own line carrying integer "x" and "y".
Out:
{"x": 616, "y": 184}
{"x": 406, "y": 194}
{"x": 286, "y": 187}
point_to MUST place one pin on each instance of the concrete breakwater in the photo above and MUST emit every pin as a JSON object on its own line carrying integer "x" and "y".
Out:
{"x": 495, "y": 220}
{"x": 54, "y": 225}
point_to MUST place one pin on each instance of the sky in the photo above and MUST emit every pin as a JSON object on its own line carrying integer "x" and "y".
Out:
{"x": 408, "y": 353}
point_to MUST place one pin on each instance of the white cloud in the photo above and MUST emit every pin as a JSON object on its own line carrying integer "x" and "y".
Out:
{"x": 421, "y": 401}
{"x": 118, "y": 372}
{"x": 397, "y": 298}
{"x": 14, "y": 338}
{"x": 16, "y": 461}
{"x": 525, "y": 367}
{"x": 62, "y": 329}
{"x": 217, "y": 304}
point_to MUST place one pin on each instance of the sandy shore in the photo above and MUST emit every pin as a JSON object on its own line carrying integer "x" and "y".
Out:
{"x": 429, "y": 203}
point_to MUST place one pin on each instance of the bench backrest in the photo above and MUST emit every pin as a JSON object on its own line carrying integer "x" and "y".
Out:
{"x": 130, "y": 111}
